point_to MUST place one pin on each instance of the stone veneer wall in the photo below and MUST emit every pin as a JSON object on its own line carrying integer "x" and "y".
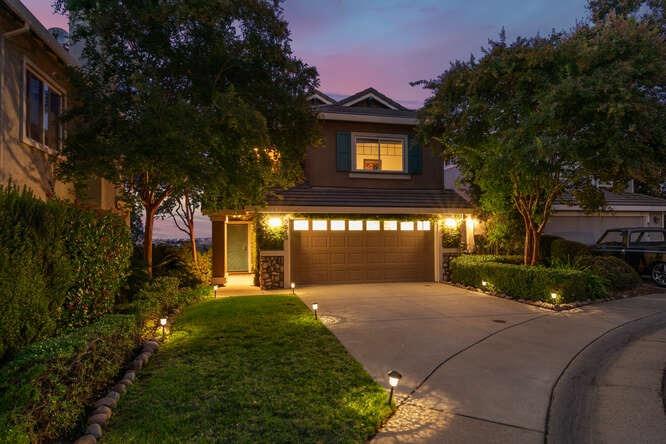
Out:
{"x": 271, "y": 272}
{"x": 446, "y": 265}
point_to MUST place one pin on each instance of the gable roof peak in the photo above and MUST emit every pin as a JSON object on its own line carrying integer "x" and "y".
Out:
{"x": 373, "y": 94}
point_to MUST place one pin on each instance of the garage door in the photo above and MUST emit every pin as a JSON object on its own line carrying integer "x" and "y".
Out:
{"x": 361, "y": 251}
{"x": 588, "y": 229}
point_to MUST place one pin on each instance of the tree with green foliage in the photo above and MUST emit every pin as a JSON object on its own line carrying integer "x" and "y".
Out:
{"x": 187, "y": 95}
{"x": 536, "y": 121}
{"x": 650, "y": 11}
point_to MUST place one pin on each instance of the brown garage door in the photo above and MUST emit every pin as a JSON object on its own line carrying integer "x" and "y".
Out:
{"x": 320, "y": 257}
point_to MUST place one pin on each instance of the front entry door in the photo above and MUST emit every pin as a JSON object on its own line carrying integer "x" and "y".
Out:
{"x": 237, "y": 248}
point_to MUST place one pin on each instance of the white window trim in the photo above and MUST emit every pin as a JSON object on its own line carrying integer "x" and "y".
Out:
{"x": 45, "y": 78}
{"x": 397, "y": 174}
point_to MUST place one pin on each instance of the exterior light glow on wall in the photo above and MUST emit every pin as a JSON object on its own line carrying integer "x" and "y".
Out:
{"x": 274, "y": 222}
{"x": 450, "y": 223}
{"x": 394, "y": 380}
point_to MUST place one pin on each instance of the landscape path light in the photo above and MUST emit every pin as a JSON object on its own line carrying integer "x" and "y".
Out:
{"x": 163, "y": 322}
{"x": 394, "y": 379}
{"x": 555, "y": 297}
{"x": 215, "y": 287}
{"x": 315, "y": 307}
{"x": 293, "y": 288}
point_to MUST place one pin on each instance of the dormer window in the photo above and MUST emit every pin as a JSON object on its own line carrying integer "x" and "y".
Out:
{"x": 379, "y": 153}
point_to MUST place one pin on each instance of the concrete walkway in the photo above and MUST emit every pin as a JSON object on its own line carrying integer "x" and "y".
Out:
{"x": 476, "y": 368}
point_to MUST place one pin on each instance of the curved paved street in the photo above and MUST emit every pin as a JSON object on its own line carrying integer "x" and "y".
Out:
{"x": 476, "y": 368}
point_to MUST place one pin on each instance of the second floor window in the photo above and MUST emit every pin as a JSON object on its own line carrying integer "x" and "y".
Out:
{"x": 43, "y": 110}
{"x": 379, "y": 154}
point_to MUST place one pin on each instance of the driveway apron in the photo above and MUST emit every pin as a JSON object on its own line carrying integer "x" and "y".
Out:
{"x": 476, "y": 368}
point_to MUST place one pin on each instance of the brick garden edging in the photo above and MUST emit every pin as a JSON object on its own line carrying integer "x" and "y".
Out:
{"x": 103, "y": 408}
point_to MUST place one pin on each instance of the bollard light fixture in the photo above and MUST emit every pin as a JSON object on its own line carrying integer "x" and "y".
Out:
{"x": 293, "y": 288}
{"x": 394, "y": 380}
{"x": 315, "y": 307}
{"x": 163, "y": 322}
{"x": 215, "y": 287}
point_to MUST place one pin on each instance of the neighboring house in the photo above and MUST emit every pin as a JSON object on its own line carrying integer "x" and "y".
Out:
{"x": 368, "y": 211}
{"x": 34, "y": 93}
{"x": 626, "y": 209}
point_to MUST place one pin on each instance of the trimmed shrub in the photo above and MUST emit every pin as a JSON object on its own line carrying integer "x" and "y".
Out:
{"x": 60, "y": 266}
{"x": 160, "y": 297}
{"x": 546, "y": 245}
{"x": 46, "y": 388}
{"x": 527, "y": 282}
{"x": 566, "y": 251}
{"x": 616, "y": 273}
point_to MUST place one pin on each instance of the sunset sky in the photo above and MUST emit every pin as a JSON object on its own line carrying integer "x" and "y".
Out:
{"x": 388, "y": 43}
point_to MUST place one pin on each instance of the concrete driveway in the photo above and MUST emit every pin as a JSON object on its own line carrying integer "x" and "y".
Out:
{"x": 476, "y": 368}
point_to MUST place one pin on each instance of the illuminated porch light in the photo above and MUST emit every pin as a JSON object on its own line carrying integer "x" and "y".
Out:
{"x": 450, "y": 223}
{"x": 274, "y": 222}
{"x": 394, "y": 380}
{"x": 315, "y": 307}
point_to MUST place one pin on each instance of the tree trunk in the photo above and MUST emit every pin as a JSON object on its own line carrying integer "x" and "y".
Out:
{"x": 527, "y": 251}
{"x": 193, "y": 245}
{"x": 536, "y": 247}
{"x": 148, "y": 238}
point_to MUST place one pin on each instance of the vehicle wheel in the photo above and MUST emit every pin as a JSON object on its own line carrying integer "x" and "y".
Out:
{"x": 659, "y": 274}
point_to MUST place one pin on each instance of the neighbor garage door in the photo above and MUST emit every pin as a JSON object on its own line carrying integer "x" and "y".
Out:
{"x": 343, "y": 252}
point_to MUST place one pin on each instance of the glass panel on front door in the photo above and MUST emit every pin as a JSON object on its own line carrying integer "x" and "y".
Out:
{"x": 237, "y": 248}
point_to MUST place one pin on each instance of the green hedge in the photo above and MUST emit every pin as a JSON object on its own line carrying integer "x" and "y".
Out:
{"x": 45, "y": 389}
{"x": 527, "y": 282}
{"x": 564, "y": 251}
{"x": 616, "y": 273}
{"x": 60, "y": 267}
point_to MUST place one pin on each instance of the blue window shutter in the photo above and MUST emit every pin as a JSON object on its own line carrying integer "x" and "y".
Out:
{"x": 343, "y": 152}
{"x": 414, "y": 157}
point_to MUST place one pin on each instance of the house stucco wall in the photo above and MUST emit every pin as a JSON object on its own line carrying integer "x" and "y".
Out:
{"x": 24, "y": 163}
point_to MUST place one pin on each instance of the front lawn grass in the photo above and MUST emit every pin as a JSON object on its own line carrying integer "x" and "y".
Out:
{"x": 250, "y": 369}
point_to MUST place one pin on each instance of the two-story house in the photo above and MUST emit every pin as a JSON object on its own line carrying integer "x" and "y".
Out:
{"x": 34, "y": 92}
{"x": 368, "y": 210}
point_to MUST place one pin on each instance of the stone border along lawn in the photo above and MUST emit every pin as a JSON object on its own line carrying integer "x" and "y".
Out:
{"x": 250, "y": 369}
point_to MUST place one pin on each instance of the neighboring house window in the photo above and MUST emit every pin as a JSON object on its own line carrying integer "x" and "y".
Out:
{"x": 43, "y": 109}
{"x": 382, "y": 153}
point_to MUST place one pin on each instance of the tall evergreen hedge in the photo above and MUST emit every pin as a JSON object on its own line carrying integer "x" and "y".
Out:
{"x": 60, "y": 266}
